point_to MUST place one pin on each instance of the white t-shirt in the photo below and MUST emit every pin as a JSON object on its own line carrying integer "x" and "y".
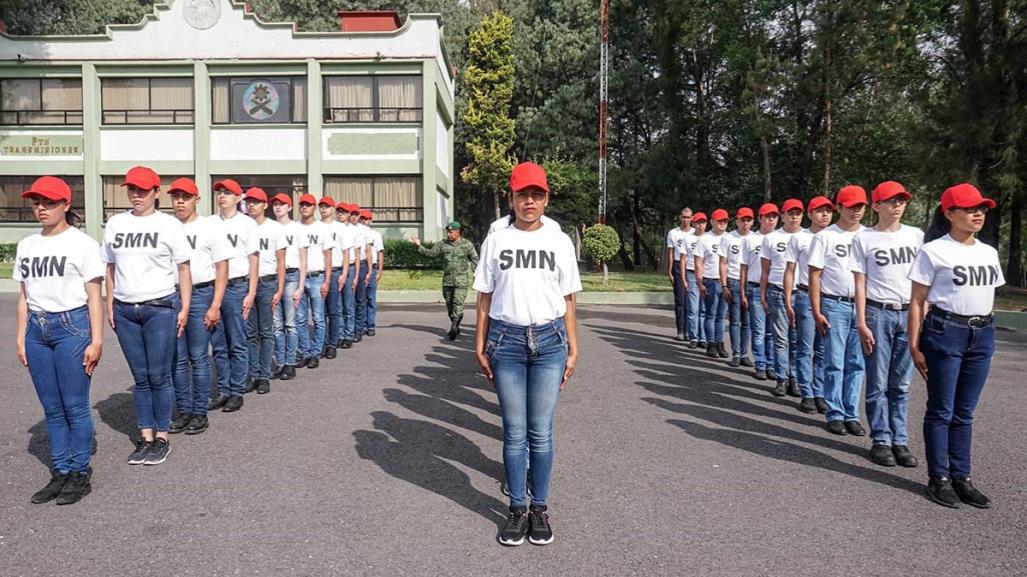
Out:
{"x": 336, "y": 231}
{"x": 504, "y": 222}
{"x": 364, "y": 238}
{"x": 774, "y": 247}
{"x": 528, "y": 274}
{"x": 688, "y": 252}
{"x": 146, "y": 252}
{"x": 886, "y": 259}
{"x": 751, "y": 246}
{"x": 676, "y": 240}
{"x": 798, "y": 252}
{"x": 54, "y": 269}
{"x": 831, "y": 252}
{"x": 243, "y": 241}
{"x": 731, "y": 249}
{"x": 962, "y": 277}
{"x": 295, "y": 237}
{"x": 270, "y": 240}
{"x": 377, "y": 243}
{"x": 708, "y": 248}
{"x": 319, "y": 239}
{"x": 209, "y": 246}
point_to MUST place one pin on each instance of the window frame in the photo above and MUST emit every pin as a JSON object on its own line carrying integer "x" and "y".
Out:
{"x": 149, "y": 104}
{"x": 328, "y": 112}
{"x": 374, "y": 178}
{"x": 17, "y": 113}
{"x": 292, "y": 108}
{"x": 78, "y": 198}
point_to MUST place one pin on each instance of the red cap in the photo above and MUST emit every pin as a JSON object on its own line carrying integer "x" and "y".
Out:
{"x": 342, "y": 207}
{"x": 142, "y": 177}
{"x": 256, "y": 193}
{"x": 851, "y": 195}
{"x": 964, "y": 195}
{"x": 792, "y": 204}
{"x": 720, "y": 214}
{"x": 819, "y": 201}
{"x": 326, "y": 200}
{"x": 50, "y": 188}
{"x": 229, "y": 185}
{"x": 365, "y": 214}
{"x": 744, "y": 212}
{"x": 768, "y": 208}
{"x": 185, "y": 185}
{"x": 308, "y": 199}
{"x": 282, "y": 198}
{"x": 889, "y": 189}
{"x": 528, "y": 174}
{"x": 354, "y": 208}
{"x": 699, "y": 217}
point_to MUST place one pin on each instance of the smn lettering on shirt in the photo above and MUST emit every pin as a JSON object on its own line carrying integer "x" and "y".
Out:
{"x": 520, "y": 258}
{"x": 135, "y": 239}
{"x": 979, "y": 275}
{"x": 42, "y": 266}
{"x": 265, "y": 244}
{"x": 897, "y": 255}
{"x": 842, "y": 250}
{"x": 234, "y": 239}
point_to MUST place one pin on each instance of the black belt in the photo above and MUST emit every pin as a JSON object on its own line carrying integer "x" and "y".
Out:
{"x": 237, "y": 280}
{"x": 753, "y": 284}
{"x": 802, "y": 287}
{"x": 888, "y": 306}
{"x": 838, "y": 298}
{"x": 201, "y": 285}
{"x": 977, "y": 322}
{"x": 163, "y": 303}
{"x": 269, "y": 277}
{"x": 315, "y": 274}
{"x": 291, "y": 270}
{"x": 336, "y": 269}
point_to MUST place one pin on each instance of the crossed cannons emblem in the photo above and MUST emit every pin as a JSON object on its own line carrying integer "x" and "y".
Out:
{"x": 261, "y": 100}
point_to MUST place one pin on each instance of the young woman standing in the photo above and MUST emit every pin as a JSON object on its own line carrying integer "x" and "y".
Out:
{"x": 707, "y": 272}
{"x": 270, "y": 288}
{"x": 143, "y": 248}
{"x": 695, "y": 312}
{"x": 527, "y": 344}
{"x": 751, "y": 271}
{"x": 772, "y": 295}
{"x": 60, "y": 333}
{"x": 284, "y": 316}
{"x": 952, "y": 343}
{"x": 676, "y": 238}
{"x": 731, "y": 284}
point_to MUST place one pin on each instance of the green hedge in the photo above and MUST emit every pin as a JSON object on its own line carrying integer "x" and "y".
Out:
{"x": 403, "y": 254}
{"x": 8, "y": 251}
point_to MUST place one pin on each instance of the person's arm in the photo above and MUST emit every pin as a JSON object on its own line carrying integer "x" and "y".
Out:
{"x": 92, "y": 354}
{"x": 670, "y": 264}
{"x": 866, "y": 336}
{"x": 110, "y": 294}
{"x": 683, "y": 270}
{"x": 917, "y": 310}
{"x": 296, "y": 296}
{"x": 213, "y": 315}
{"x": 280, "y": 276}
{"x": 483, "y": 306}
{"x": 789, "y": 281}
{"x": 369, "y": 250}
{"x": 724, "y": 290}
{"x": 814, "y": 298}
{"x": 764, "y": 282}
{"x": 743, "y": 283}
{"x": 345, "y": 269}
{"x": 698, "y": 274}
{"x": 381, "y": 264}
{"x": 185, "y": 291}
{"x": 328, "y": 272}
{"x": 570, "y": 323}
{"x": 253, "y": 277}
{"x": 22, "y": 315}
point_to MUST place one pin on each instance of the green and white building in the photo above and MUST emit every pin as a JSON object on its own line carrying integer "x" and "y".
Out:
{"x": 204, "y": 89}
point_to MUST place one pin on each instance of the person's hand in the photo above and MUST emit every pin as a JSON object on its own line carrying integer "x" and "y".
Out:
{"x": 670, "y": 276}
{"x": 867, "y": 338}
{"x": 324, "y": 288}
{"x": 791, "y": 313}
{"x": 21, "y": 353}
{"x": 296, "y": 296}
{"x": 726, "y": 292}
{"x": 247, "y": 305}
{"x": 110, "y": 314}
{"x": 183, "y": 316}
{"x": 212, "y": 317}
{"x": 572, "y": 361}
{"x": 822, "y": 324}
{"x": 919, "y": 361}
{"x": 342, "y": 283}
{"x": 276, "y": 298}
{"x": 743, "y": 298}
{"x": 483, "y": 362}
{"x": 702, "y": 289}
{"x": 367, "y": 279}
{"x": 416, "y": 241}
{"x": 766, "y": 305}
{"x": 353, "y": 285}
{"x": 91, "y": 357}
{"x": 378, "y": 277}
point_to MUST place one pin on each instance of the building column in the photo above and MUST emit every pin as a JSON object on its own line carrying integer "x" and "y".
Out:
{"x": 429, "y": 193}
{"x": 315, "y": 116}
{"x": 201, "y": 136}
{"x": 91, "y": 178}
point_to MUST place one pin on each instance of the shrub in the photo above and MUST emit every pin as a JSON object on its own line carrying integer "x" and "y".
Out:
{"x": 403, "y": 254}
{"x": 8, "y": 251}
{"x": 601, "y": 244}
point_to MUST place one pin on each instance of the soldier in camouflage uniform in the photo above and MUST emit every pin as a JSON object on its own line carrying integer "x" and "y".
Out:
{"x": 458, "y": 257}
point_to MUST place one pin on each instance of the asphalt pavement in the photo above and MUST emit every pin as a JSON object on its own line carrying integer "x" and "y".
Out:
{"x": 388, "y": 460}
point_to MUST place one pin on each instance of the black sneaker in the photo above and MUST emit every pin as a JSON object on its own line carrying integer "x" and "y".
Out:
{"x": 939, "y": 490}
{"x": 679, "y": 337}
{"x": 821, "y": 404}
{"x": 882, "y": 455}
{"x": 313, "y": 363}
{"x": 264, "y": 386}
{"x": 711, "y": 350}
{"x": 217, "y": 402}
{"x": 358, "y": 338}
{"x": 539, "y": 532}
{"x": 301, "y": 362}
{"x": 158, "y": 452}
{"x": 198, "y": 425}
{"x": 330, "y": 353}
{"x": 969, "y": 494}
{"x": 903, "y": 456}
{"x": 276, "y": 373}
{"x": 793, "y": 389}
{"x": 251, "y": 385}
{"x": 836, "y": 427}
{"x": 370, "y": 332}
{"x": 735, "y": 361}
{"x": 288, "y": 373}
{"x": 347, "y": 344}
{"x": 771, "y": 374}
{"x": 747, "y": 362}
{"x": 78, "y": 486}
{"x": 451, "y": 335}
{"x": 760, "y": 375}
{"x": 854, "y": 428}
{"x": 52, "y": 489}
{"x": 701, "y": 344}
{"x": 180, "y": 423}
{"x": 722, "y": 350}
{"x": 779, "y": 390}
{"x": 138, "y": 456}
{"x": 234, "y": 404}
{"x": 806, "y": 405}
{"x": 516, "y": 527}
{"x": 693, "y": 343}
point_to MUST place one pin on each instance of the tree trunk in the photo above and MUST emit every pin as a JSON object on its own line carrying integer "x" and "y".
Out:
{"x": 606, "y": 274}
{"x": 496, "y": 196}
{"x": 825, "y": 187}
{"x": 1014, "y": 269}
{"x": 636, "y": 235}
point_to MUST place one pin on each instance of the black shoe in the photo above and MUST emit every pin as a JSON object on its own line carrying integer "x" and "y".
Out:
{"x": 251, "y": 385}
{"x": 836, "y": 427}
{"x": 679, "y": 337}
{"x": 735, "y": 361}
{"x": 779, "y": 390}
{"x": 52, "y": 489}
{"x": 939, "y": 490}
{"x": 539, "y": 531}
{"x": 276, "y": 373}
{"x": 358, "y": 338}
{"x": 159, "y": 451}
{"x": 288, "y": 373}
{"x": 793, "y": 389}
{"x": 330, "y": 353}
{"x": 806, "y": 405}
{"x": 451, "y": 335}
{"x": 821, "y": 404}
{"x": 760, "y": 375}
{"x": 263, "y": 387}
{"x": 771, "y": 374}
{"x": 218, "y": 402}
{"x": 882, "y": 455}
{"x": 711, "y": 350}
{"x": 301, "y": 362}
{"x": 370, "y": 332}
{"x": 347, "y": 344}
{"x": 747, "y": 362}
{"x": 692, "y": 344}
{"x": 180, "y": 423}
{"x": 903, "y": 456}
{"x": 234, "y": 404}
{"x": 313, "y": 363}
{"x": 722, "y": 351}
{"x": 138, "y": 456}
{"x": 78, "y": 486}
{"x": 854, "y": 428}
{"x": 702, "y": 344}
{"x": 966, "y": 492}
{"x": 516, "y": 527}
{"x": 198, "y": 425}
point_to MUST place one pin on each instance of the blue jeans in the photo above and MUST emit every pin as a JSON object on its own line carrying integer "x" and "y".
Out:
{"x": 958, "y": 359}
{"x": 147, "y": 336}
{"x": 843, "y": 361}
{"x": 716, "y": 310}
{"x": 809, "y": 348}
{"x": 349, "y": 305}
{"x": 762, "y": 340}
{"x": 738, "y": 320}
{"x": 229, "y": 344}
{"x": 360, "y": 317}
{"x": 54, "y": 345}
{"x": 260, "y": 333}
{"x": 372, "y": 301}
{"x": 527, "y": 365}
{"x": 696, "y": 310}
{"x": 192, "y": 375}
{"x": 311, "y": 305}
{"x": 333, "y": 310}
{"x": 283, "y": 322}
{"x": 889, "y": 373}
{"x": 680, "y": 299}
{"x": 782, "y": 333}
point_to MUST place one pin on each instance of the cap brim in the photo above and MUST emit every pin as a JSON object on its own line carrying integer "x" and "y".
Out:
{"x": 46, "y": 195}
{"x": 901, "y": 193}
{"x": 137, "y": 184}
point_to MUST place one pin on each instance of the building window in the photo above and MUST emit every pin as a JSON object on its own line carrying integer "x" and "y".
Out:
{"x": 147, "y": 100}
{"x": 14, "y": 208}
{"x": 115, "y": 196}
{"x": 373, "y": 99}
{"x": 391, "y": 198}
{"x": 259, "y": 100}
{"x": 41, "y": 101}
{"x": 293, "y": 185}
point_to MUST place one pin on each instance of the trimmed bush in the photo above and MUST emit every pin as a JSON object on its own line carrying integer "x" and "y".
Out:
{"x": 8, "y": 251}
{"x": 403, "y": 254}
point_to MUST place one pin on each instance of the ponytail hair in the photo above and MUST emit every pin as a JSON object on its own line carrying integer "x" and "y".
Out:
{"x": 939, "y": 226}
{"x": 72, "y": 218}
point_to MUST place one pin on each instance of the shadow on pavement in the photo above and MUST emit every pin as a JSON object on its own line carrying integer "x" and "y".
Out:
{"x": 118, "y": 412}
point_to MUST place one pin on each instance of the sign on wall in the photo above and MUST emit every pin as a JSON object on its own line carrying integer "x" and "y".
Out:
{"x": 261, "y": 100}
{"x": 40, "y": 145}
